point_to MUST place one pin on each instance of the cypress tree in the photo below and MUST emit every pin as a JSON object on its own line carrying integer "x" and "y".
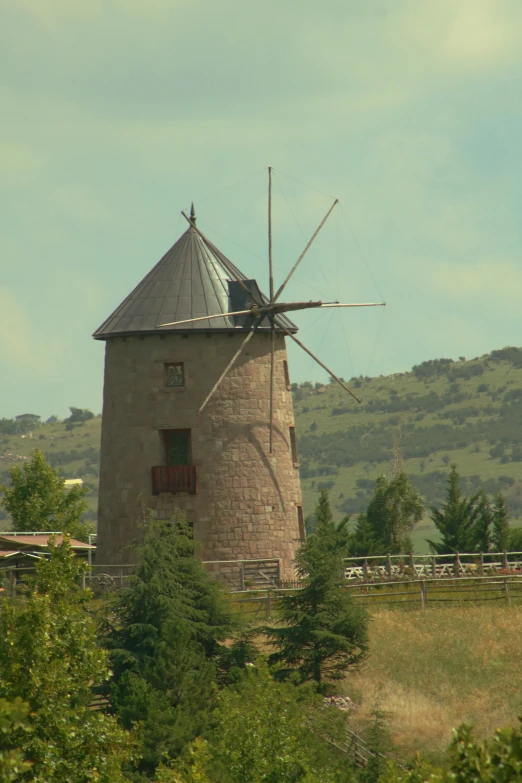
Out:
{"x": 481, "y": 536}
{"x": 363, "y": 541}
{"x": 501, "y": 530}
{"x": 322, "y": 632}
{"x": 455, "y": 519}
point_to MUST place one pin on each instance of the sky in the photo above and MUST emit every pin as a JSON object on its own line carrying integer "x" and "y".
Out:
{"x": 116, "y": 114}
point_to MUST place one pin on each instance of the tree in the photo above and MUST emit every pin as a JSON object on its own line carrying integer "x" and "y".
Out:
{"x": 497, "y": 760}
{"x": 335, "y": 536}
{"x": 165, "y": 641}
{"x": 13, "y": 721}
{"x": 50, "y": 658}
{"x": 393, "y": 511}
{"x": 363, "y": 541}
{"x": 455, "y": 519}
{"x": 273, "y": 732}
{"x": 501, "y": 528}
{"x": 323, "y": 632}
{"x": 482, "y": 532}
{"x": 78, "y": 416}
{"x": 38, "y": 500}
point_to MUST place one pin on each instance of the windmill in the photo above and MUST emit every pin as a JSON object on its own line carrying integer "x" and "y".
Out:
{"x": 197, "y": 409}
{"x": 267, "y": 308}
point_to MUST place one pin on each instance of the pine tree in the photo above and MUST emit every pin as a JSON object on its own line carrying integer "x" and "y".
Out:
{"x": 501, "y": 530}
{"x": 455, "y": 519}
{"x": 323, "y": 632}
{"x": 165, "y": 642}
{"x": 363, "y": 541}
{"x": 335, "y": 536}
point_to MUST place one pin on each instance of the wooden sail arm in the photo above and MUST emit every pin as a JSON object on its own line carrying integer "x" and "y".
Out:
{"x": 289, "y": 275}
{"x": 272, "y": 310}
{"x": 322, "y": 364}
{"x": 227, "y": 368}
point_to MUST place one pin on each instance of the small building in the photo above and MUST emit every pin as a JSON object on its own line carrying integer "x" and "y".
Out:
{"x": 25, "y": 547}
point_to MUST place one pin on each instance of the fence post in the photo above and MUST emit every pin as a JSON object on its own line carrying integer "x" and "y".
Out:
{"x": 241, "y": 576}
{"x": 506, "y": 592}
{"x": 268, "y": 606}
{"x": 434, "y": 566}
{"x": 365, "y": 568}
{"x": 505, "y": 561}
{"x": 412, "y": 564}
{"x": 422, "y": 599}
{"x": 389, "y": 565}
{"x": 457, "y": 565}
{"x": 481, "y": 563}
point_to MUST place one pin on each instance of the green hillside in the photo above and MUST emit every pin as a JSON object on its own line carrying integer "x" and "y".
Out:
{"x": 468, "y": 412}
{"x": 75, "y": 452}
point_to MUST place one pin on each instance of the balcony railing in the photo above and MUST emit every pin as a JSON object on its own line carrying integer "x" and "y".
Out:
{"x": 175, "y": 478}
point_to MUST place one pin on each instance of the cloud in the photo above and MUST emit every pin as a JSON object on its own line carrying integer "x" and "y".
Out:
{"x": 23, "y": 345}
{"x": 493, "y": 285}
{"x": 484, "y": 33}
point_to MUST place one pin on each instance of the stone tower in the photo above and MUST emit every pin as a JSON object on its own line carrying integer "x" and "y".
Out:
{"x": 158, "y": 452}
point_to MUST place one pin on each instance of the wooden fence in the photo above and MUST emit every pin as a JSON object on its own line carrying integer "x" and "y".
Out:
{"x": 409, "y": 593}
{"x": 386, "y": 567}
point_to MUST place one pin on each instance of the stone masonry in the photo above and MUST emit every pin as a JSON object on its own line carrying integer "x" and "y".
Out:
{"x": 249, "y": 501}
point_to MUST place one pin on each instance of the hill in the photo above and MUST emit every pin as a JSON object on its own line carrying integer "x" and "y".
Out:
{"x": 443, "y": 411}
{"x": 75, "y": 452}
{"x": 468, "y": 412}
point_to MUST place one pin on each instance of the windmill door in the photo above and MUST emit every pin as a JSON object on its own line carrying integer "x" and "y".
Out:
{"x": 177, "y": 444}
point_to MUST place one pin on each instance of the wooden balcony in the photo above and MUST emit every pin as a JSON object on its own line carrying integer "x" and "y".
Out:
{"x": 175, "y": 478}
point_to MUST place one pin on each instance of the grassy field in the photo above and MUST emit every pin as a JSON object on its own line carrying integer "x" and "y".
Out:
{"x": 430, "y": 670}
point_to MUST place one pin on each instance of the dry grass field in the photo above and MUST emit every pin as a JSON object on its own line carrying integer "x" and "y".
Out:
{"x": 430, "y": 670}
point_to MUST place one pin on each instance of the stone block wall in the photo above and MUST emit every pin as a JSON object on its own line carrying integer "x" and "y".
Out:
{"x": 248, "y": 499}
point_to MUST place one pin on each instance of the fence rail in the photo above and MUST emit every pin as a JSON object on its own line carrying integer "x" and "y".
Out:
{"x": 264, "y": 574}
{"x": 385, "y": 567}
{"x": 411, "y": 593}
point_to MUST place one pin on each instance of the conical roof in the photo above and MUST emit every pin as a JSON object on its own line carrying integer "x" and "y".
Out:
{"x": 192, "y": 280}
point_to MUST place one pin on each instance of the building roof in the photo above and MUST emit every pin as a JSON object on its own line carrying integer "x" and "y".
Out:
{"x": 38, "y": 541}
{"x": 192, "y": 280}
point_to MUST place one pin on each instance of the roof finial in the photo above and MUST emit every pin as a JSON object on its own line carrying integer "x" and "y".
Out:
{"x": 192, "y": 214}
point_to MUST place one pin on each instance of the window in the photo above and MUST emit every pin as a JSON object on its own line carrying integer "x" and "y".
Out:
{"x": 177, "y": 447}
{"x": 287, "y": 375}
{"x": 175, "y": 374}
{"x": 300, "y": 523}
{"x": 293, "y": 447}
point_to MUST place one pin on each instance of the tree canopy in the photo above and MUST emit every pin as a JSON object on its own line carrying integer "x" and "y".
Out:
{"x": 394, "y": 510}
{"x": 38, "y": 499}
{"x": 51, "y": 660}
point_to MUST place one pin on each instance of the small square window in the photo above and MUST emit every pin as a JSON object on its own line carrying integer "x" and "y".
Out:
{"x": 175, "y": 374}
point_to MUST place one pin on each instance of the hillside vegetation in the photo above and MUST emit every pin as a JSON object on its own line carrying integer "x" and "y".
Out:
{"x": 443, "y": 411}
{"x": 468, "y": 412}
{"x": 74, "y": 451}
